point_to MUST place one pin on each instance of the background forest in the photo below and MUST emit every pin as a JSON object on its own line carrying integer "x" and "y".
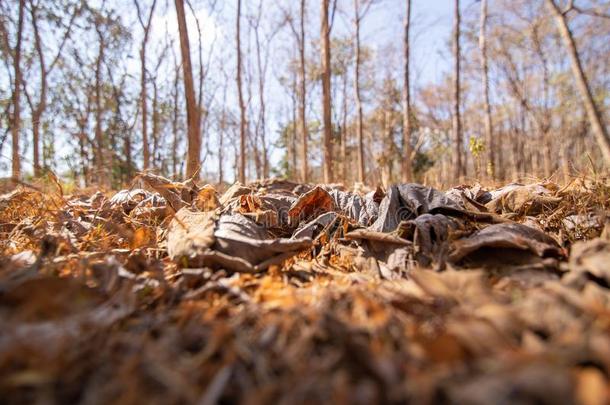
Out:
{"x": 316, "y": 91}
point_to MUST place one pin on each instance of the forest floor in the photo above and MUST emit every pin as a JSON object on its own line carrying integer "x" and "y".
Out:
{"x": 289, "y": 293}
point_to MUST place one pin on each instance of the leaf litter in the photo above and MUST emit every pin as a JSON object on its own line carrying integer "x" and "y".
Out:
{"x": 278, "y": 292}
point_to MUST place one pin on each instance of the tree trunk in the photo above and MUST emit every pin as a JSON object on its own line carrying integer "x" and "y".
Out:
{"x": 491, "y": 169}
{"x": 261, "y": 97}
{"x": 595, "y": 119}
{"x": 38, "y": 110}
{"x": 458, "y": 168}
{"x": 359, "y": 128}
{"x": 155, "y": 125}
{"x": 344, "y": 131}
{"x": 326, "y": 92}
{"x": 192, "y": 109}
{"x": 143, "y": 97}
{"x": 16, "y": 121}
{"x": 302, "y": 98}
{"x": 144, "y": 107}
{"x": 175, "y": 125}
{"x": 242, "y": 107}
{"x": 36, "y": 115}
{"x": 221, "y": 133}
{"x": 407, "y": 168}
{"x": 99, "y": 135}
{"x": 291, "y": 163}
{"x": 83, "y": 153}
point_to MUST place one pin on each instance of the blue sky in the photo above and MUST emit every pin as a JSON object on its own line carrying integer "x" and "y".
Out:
{"x": 432, "y": 22}
{"x": 431, "y": 28}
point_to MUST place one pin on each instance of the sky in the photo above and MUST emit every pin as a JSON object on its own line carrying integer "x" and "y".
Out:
{"x": 431, "y": 29}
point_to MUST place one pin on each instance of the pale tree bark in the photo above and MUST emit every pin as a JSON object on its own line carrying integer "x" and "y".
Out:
{"x": 262, "y": 62}
{"x": 359, "y": 128}
{"x": 407, "y": 168}
{"x": 203, "y": 71}
{"x": 491, "y": 147}
{"x": 100, "y": 169}
{"x": 458, "y": 168}
{"x": 175, "y": 112}
{"x": 146, "y": 25}
{"x": 302, "y": 97}
{"x": 291, "y": 142}
{"x": 242, "y": 107}
{"x": 344, "y": 129}
{"x": 221, "y": 132}
{"x": 192, "y": 109}
{"x": 155, "y": 125}
{"x": 326, "y": 92}
{"x": 595, "y": 118}
{"x": 16, "y": 119}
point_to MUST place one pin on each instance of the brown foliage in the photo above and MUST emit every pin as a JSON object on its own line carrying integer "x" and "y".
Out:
{"x": 122, "y": 299}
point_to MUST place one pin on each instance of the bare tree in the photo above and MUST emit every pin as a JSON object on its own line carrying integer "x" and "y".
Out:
{"x": 175, "y": 113}
{"x": 303, "y": 96}
{"x": 595, "y": 119}
{"x": 407, "y": 169}
{"x": 358, "y": 17}
{"x": 222, "y": 128}
{"x": 242, "y": 106}
{"x": 292, "y": 143}
{"x": 99, "y": 149}
{"x": 192, "y": 109}
{"x": 326, "y": 91}
{"x": 146, "y": 25}
{"x": 344, "y": 162}
{"x": 491, "y": 147}
{"x": 16, "y": 118}
{"x": 457, "y": 124}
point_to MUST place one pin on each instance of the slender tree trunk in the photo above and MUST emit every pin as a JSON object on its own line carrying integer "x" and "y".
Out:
{"x": 155, "y": 125}
{"x": 326, "y": 93}
{"x": 302, "y": 98}
{"x": 99, "y": 135}
{"x": 359, "y": 128}
{"x": 344, "y": 131}
{"x": 175, "y": 125}
{"x": 291, "y": 142}
{"x": 595, "y": 119}
{"x": 261, "y": 97}
{"x": 457, "y": 124}
{"x": 144, "y": 107}
{"x": 128, "y": 158}
{"x": 242, "y": 107}
{"x": 500, "y": 171}
{"x": 143, "y": 96}
{"x": 83, "y": 153}
{"x": 221, "y": 133}
{"x": 407, "y": 169}
{"x": 38, "y": 110}
{"x": 16, "y": 119}
{"x": 491, "y": 147}
{"x": 192, "y": 109}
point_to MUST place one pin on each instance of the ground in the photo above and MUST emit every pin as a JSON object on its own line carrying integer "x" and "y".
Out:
{"x": 277, "y": 292}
